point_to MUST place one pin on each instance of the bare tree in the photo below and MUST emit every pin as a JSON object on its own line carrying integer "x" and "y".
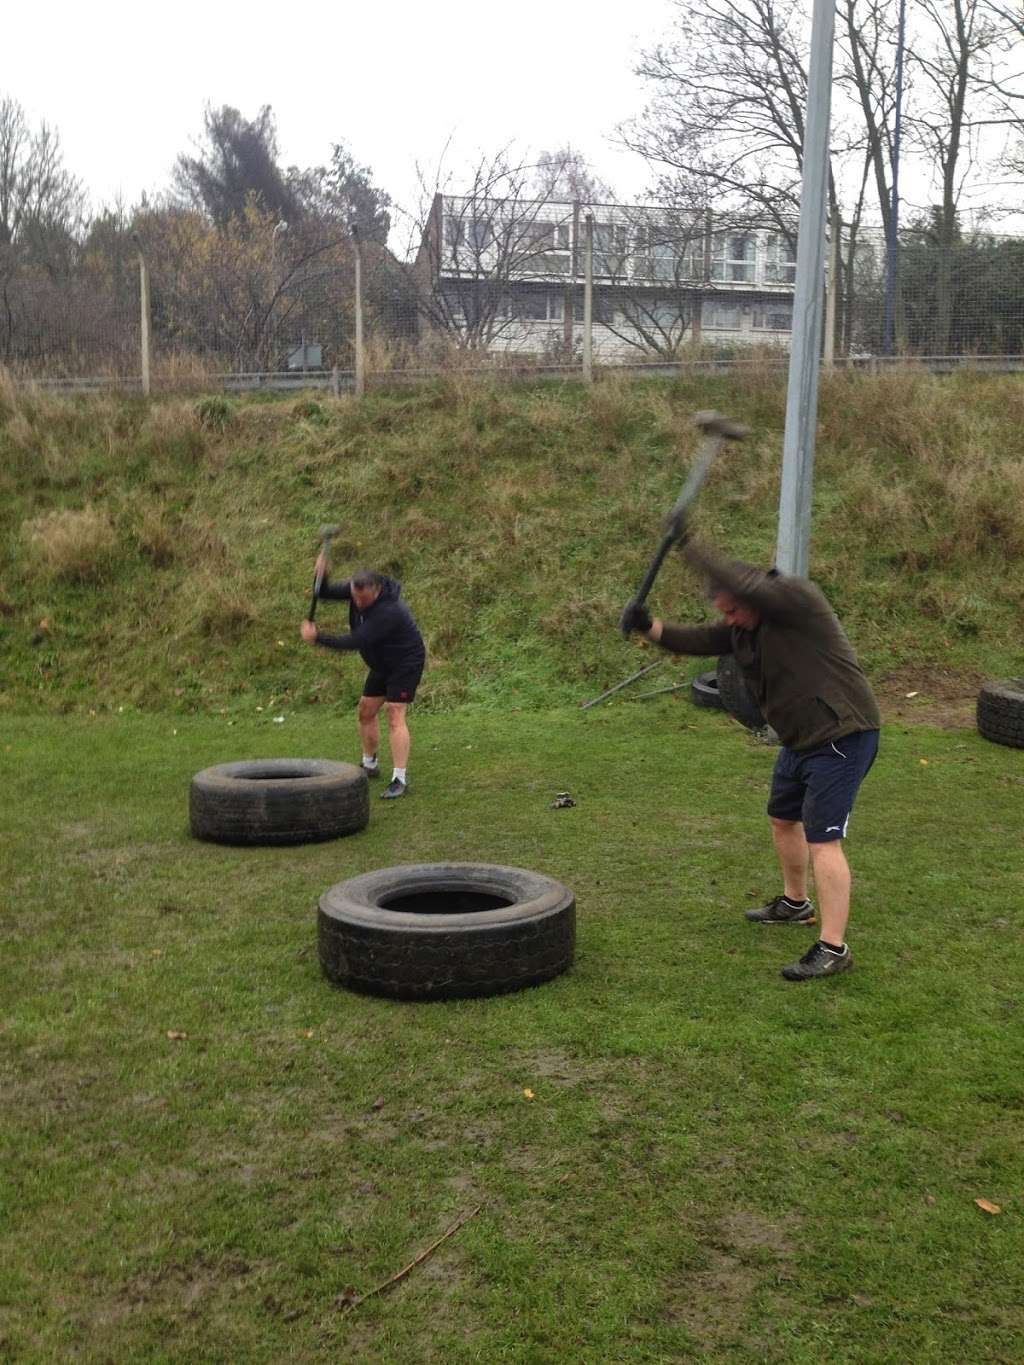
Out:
{"x": 487, "y": 252}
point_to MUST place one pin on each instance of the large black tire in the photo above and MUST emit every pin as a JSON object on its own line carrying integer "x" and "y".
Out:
{"x": 278, "y": 801}
{"x": 1001, "y": 712}
{"x": 704, "y": 690}
{"x": 434, "y": 931}
{"x": 736, "y": 699}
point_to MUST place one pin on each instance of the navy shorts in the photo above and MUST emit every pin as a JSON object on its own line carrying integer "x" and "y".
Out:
{"x": 818, "y": 786}
{"x": 398, "y": 685}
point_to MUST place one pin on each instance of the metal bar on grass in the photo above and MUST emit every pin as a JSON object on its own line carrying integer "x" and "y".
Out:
{"x": 585, "y": 705}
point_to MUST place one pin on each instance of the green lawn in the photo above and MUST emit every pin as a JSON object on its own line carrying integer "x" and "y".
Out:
{"x": 715, "y": 1164}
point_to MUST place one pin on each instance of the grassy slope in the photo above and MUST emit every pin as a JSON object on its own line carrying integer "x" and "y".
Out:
{"x": 519, "y": 519}
{"x": 716, "y": 1165}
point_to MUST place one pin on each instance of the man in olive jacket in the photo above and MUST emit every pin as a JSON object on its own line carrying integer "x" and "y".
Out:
{"x": 801, "y": 669}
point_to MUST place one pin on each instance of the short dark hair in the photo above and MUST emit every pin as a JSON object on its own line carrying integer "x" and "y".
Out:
{"x": 367, "y": 578}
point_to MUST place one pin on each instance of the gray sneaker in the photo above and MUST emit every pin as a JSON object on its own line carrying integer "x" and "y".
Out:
{"x": 779, "y": 911}
{"x": 371, "y": 769}
{"x": 393, "y": 790}
{"x": 819, "y": 961}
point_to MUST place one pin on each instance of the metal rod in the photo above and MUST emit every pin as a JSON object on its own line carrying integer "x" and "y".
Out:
{"x": 676, "y": 687}
{"x": 585, "y": 705}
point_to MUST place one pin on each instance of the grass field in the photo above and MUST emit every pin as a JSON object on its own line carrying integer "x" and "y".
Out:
{"x": 714, "y": 1165}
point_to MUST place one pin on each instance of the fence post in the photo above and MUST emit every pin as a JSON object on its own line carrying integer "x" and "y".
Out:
{"x": 143, "y": 313}
{"x": 360, "y": 378}
{"x": 588, "y": 300}
{"x": 832, "y": 297}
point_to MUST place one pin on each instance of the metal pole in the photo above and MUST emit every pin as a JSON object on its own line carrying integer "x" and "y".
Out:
{"x": 892, "y": 244}
{"x": 791, "y": 553}
{"x": 144, "y": 320}
{"x": 588, "y": 300}
{"x": 832, "y": 297}
{"x": 360, "y": 379}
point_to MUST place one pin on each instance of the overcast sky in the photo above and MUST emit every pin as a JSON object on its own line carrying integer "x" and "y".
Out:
{"x": 125, "y": 85}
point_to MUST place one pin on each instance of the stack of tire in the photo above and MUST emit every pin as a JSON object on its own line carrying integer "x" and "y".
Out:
{"x": 1000, "y": 712}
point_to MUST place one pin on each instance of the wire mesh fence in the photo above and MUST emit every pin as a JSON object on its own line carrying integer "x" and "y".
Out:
{"x": 496, "y": 286}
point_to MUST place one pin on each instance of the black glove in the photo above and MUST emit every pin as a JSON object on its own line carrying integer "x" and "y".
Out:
{"x": 635, "y": 617}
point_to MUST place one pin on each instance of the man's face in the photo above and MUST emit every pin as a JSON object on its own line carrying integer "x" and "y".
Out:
{"x": 364, "y": 597}
{"x": 736, "y": 613}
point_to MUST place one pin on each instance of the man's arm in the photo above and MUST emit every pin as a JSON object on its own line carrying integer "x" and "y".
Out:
{"x": 338, "y": 592}
{"x": 776, "y": 598}
{"x": 703, "y": 640}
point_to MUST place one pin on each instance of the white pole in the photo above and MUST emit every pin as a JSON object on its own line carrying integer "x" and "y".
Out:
{"x": 791, "y": 554}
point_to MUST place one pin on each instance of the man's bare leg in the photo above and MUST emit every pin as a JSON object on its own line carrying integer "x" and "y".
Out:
{"x": 832, "y": 880}
{"x": 792, "y": 851}
{"x": 398, "y": 730}
{"x": 369, "y": 725}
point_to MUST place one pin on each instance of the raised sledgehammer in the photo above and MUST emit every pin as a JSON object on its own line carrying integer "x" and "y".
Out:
{"x": 327, "y": 534}
{"x": 715, "y": 431}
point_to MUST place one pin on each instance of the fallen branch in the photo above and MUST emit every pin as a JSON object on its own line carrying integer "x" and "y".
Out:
{"x": 401, "y": 1274}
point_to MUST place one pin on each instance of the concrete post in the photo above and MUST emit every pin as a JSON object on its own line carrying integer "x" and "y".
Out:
{"x": 832, "y": 297}
{"x": 360, "y": 378}
{"x": 144, "y": 319}
{"x": 588, "y": 301}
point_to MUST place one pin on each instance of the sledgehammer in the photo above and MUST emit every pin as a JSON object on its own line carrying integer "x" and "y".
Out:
{"x": 715, "y": 431}
{"x": 327, "y": 533}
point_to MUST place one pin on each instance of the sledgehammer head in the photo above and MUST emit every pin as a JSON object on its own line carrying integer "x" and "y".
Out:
{"x": 716, "y": 424}
{"x": 328, "y": 533}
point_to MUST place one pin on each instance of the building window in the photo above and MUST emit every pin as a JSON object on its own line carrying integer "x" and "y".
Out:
{"x": 732, "y": 257}
{"x": 664, "y": 255}
{"x": 773, "y": 317}
{"x": 780, "y": 259}
{"x": 727, "y": 316}
{"x": 610, "y": 249}
{"x": 539, "y": 306}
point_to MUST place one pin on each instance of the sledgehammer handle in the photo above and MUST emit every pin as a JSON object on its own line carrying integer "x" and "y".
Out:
{"x": 691, "y": 488}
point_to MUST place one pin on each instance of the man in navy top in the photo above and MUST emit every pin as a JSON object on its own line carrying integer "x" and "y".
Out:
{"x": 383, "y": 632}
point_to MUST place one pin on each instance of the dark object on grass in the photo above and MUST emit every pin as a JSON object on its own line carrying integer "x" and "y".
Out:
{"x": 736, "y": 698}
{"x": 434, "y": 931}
{"x": 562, "y": 801}
{"x": 704, "y": 690}
{"x": 1000, "y": 712}
{"x": 278, "y": 801}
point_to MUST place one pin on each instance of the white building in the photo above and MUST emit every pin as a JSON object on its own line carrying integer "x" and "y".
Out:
{"x": 510, "y": 276}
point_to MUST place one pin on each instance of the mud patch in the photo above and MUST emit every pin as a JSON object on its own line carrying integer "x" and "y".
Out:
{"x": 944, "y": 696}
{"x": 744, "y": 1254}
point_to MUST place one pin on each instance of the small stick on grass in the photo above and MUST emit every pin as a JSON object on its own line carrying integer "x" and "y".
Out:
{"x": 401, "y": 1274}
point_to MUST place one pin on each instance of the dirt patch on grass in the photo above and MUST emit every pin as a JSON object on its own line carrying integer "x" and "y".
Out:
{"x": 930, "y": 694}
{"x": 741, "y": 1255}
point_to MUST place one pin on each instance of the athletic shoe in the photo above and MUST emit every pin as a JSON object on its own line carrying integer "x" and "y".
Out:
{"x": 779, "y": 911}
{"x": 371, "y": 770}
{"x": 819, "y": 961}
{"x": 393, "y": 790}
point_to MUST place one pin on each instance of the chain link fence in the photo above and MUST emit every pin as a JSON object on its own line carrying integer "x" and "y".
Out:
{"x": 496, "y": 286}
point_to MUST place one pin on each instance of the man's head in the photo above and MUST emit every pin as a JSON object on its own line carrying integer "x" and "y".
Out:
{"x": 366, "y": 586}
{"x": 735, "y": 612}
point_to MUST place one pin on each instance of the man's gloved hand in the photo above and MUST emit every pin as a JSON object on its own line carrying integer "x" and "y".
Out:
{"x": 635, "y": 617}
